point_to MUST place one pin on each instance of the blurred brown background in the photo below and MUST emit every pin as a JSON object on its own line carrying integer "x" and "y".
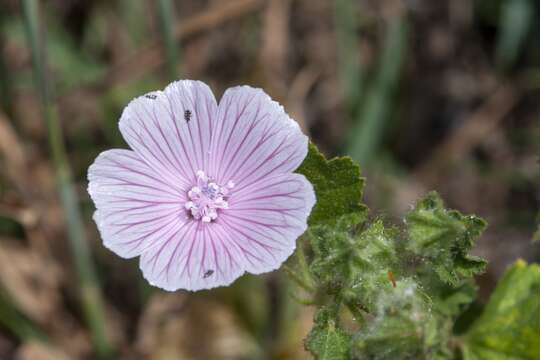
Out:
{"x": 425, "y": 94}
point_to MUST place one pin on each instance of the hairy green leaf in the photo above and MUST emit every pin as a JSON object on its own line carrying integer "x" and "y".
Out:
{"x": 356, "y": 265}
{"x": 509, "y": 327}
{"x": 443, "y": 239}
{"x": 327, "y": 341}
{"x": 452, "y": 300}
{"x": 333, "y": 248}
{"x": 402, "y": 326}
{"x": 372, "y": 268}
{"x": 404, "y": 290}
{"x": 338, "y": 187}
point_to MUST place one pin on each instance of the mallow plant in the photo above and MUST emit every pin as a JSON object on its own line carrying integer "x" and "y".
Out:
{"x": 405, "y": 291}
{"x": 210, "y": 191}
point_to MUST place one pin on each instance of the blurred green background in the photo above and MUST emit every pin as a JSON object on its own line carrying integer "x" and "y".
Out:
{"x": 425, "y": 94}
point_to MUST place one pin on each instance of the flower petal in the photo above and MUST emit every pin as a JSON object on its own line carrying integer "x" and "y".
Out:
{"x": 199, "y": 256}
{"x": 254, "y": 138}
{"x": 136, "y": 209}
{"x": 265, "y": 219}
{"x": 171, "y": 129}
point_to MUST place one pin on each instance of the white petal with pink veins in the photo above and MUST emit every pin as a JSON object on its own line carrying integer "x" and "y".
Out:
{"x": 254, "y": 138}
{"x": 267, "y": 217}
{"x": 155, "y": 127}
{"x": 136, "y": 209}
{"x": 201, "y": 257}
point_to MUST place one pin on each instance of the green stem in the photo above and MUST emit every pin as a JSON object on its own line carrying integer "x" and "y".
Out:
{"x": 90, "y": 294}
{"x": 303, "y": 265}
{"x": 167, "y": 20}
{"x": 307, "y": 302}
{"x": 301, "y": 274}
{"x": 300, "y": 281}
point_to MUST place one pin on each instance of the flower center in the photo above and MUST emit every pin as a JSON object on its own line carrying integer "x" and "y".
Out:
{"x": 206, "y": 198}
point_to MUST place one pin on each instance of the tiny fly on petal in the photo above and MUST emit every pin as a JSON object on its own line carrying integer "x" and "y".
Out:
{"x": 187, "y": 115}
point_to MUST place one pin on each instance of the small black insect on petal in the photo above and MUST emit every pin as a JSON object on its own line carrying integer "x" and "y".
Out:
{"x": 150, "y": 96}
{"x": 187, "y": 115}
{"x": 208, "y": 273}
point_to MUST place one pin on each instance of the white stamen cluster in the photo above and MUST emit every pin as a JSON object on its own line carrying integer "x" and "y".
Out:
{"x": 206, "y": 198}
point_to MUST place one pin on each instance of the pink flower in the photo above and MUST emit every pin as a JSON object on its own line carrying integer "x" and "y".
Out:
{"x": 208, "y": 191}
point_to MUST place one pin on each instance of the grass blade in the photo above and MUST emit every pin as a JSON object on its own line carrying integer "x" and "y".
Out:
{"x": 516, "y": 20}
{"x": 349, "y": 69}
{"x": 167, "y": 20}
{"x": 90, "y": 294}
{"x": 12, "y": 319}
{"x": 367, "y": 134}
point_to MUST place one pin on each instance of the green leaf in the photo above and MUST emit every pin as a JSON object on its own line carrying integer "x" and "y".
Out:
{"x": 327, "y": 341}
{"x": 338, "y": 187}
{"x": 443, "y": 239}
{"x": 402, "y": 326}
{"x": 452, "y": 300}
{"x": 333, "y": 247}
{"x": 355, "y": 265}
{"x": 372, "y": 265}
{"x": 509, "y": 327}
